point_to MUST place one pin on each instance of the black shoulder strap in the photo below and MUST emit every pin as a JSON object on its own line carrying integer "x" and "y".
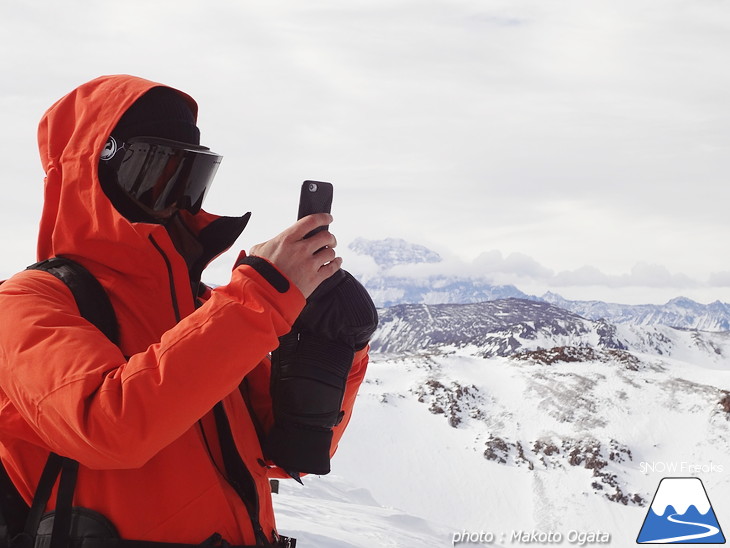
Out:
{"x": 90, "y": 296}
{"x": 94, "y": 305}
{"x": 13, "y": 509}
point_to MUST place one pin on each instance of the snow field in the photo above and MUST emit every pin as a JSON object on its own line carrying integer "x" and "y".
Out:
{"x": 403, "y": 476}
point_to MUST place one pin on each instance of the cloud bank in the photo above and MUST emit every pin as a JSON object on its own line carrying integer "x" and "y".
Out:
{"x": 643, "y": 283}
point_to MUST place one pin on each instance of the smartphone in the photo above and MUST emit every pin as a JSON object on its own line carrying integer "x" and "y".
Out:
{"x": 315, "y": 197}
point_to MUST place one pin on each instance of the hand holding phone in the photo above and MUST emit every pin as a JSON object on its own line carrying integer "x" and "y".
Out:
{"x": 307, "y": 263}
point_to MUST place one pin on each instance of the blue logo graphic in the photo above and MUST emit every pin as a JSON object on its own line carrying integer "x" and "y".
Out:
{"x": 680, "y": 513}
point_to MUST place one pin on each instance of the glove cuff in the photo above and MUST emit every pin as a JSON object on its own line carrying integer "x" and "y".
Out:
{"x": 299, "y": 449}
{"x": 340, "y": 309}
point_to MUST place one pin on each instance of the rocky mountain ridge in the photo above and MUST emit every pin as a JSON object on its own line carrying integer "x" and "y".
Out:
{"x": 508, "y": 327}
{"x": 678, "y": 312}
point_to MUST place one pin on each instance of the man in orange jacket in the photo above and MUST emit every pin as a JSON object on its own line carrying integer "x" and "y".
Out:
{"x": 178, "y": 428}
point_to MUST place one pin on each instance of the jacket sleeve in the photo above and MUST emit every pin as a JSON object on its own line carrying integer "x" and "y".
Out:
{"x": 83, "y": 399}
{"x": 257, "y": 394}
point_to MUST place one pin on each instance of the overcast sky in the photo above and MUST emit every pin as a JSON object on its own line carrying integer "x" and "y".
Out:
{"x": 576, "y": 146}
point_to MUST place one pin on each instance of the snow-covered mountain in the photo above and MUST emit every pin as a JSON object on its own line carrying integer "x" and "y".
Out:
{"x": 389, "y": 287}
{"x": 679, "y": 312}
{"x": 394, "y": 251}
{"x": 493, "y": 328}
{"x": 388, "y": 290}
{"x": 517, "y": 326}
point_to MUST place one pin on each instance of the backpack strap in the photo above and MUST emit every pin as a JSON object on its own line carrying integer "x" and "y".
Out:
{"x": 94, "y": 305}
{"x": 91, "y": 298}
{"x": 13, "y": 510}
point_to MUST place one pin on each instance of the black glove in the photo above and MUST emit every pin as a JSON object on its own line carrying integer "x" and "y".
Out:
{"x": 309, "y": 373}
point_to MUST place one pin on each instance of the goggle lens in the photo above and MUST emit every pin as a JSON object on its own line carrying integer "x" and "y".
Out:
{"x": 160, "y": 174}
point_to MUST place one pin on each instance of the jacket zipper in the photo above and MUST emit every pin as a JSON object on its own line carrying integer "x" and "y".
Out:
{"x": 233, "y": 460}
{"x": 171, "y": 278}
{"x": 238, "y": 474}
{"x": 255, "y": 524}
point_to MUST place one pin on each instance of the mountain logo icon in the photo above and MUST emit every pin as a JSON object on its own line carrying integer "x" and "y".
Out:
{"x": 680, "y": 513}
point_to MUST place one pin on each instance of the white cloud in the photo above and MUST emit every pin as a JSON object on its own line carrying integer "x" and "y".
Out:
{"x": 585, "y": 275}
{"x": 642, "y": 283}
{"x": 720, "y": 279}
{"x": 641, "y": 275}
{"x": 516, "y": 264}
{"x": 562, "y": 133}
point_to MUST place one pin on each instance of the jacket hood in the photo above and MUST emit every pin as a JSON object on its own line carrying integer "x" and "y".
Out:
{"x": 78, "y": 219}
{"x": 148, "y": 280}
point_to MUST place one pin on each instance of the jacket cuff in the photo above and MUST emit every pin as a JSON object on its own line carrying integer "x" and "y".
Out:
{"x": 267, "y": 271}
{"x": 254, "y": 280}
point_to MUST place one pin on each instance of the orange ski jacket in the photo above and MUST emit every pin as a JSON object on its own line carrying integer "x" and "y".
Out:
{"x": 138, "y": 417}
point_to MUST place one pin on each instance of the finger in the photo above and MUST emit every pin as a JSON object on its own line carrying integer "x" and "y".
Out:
{"x": 331, "y": 267}
{"x": 325, "y": 255}
{"x": 306, "y": 224}
{"x": 319, "y": 240}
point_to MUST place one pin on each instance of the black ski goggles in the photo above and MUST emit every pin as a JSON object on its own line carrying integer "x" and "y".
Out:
{"x": 160, "y": 173}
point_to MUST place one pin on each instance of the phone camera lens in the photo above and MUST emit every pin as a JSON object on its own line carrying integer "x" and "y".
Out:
{"x": 312, "y": 187}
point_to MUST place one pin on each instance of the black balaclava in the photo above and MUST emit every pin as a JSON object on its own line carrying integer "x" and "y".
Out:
{"x": 165, "y": 114}
{"x": 162, "y": 113}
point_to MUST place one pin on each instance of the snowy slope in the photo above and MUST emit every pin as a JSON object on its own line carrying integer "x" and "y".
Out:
{"x": 567, "y": 432}
{"x": 328, "y": 512}
{"x": 555, "y": 448}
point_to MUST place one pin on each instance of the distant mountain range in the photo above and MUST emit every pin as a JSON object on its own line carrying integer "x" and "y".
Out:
{"x": 494, "y": 328}
{"x": 485, "y": 409}
{"x": 679, "y": 312}
{"x": 389, "y": 289}
{"x": 535, "y": 329}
